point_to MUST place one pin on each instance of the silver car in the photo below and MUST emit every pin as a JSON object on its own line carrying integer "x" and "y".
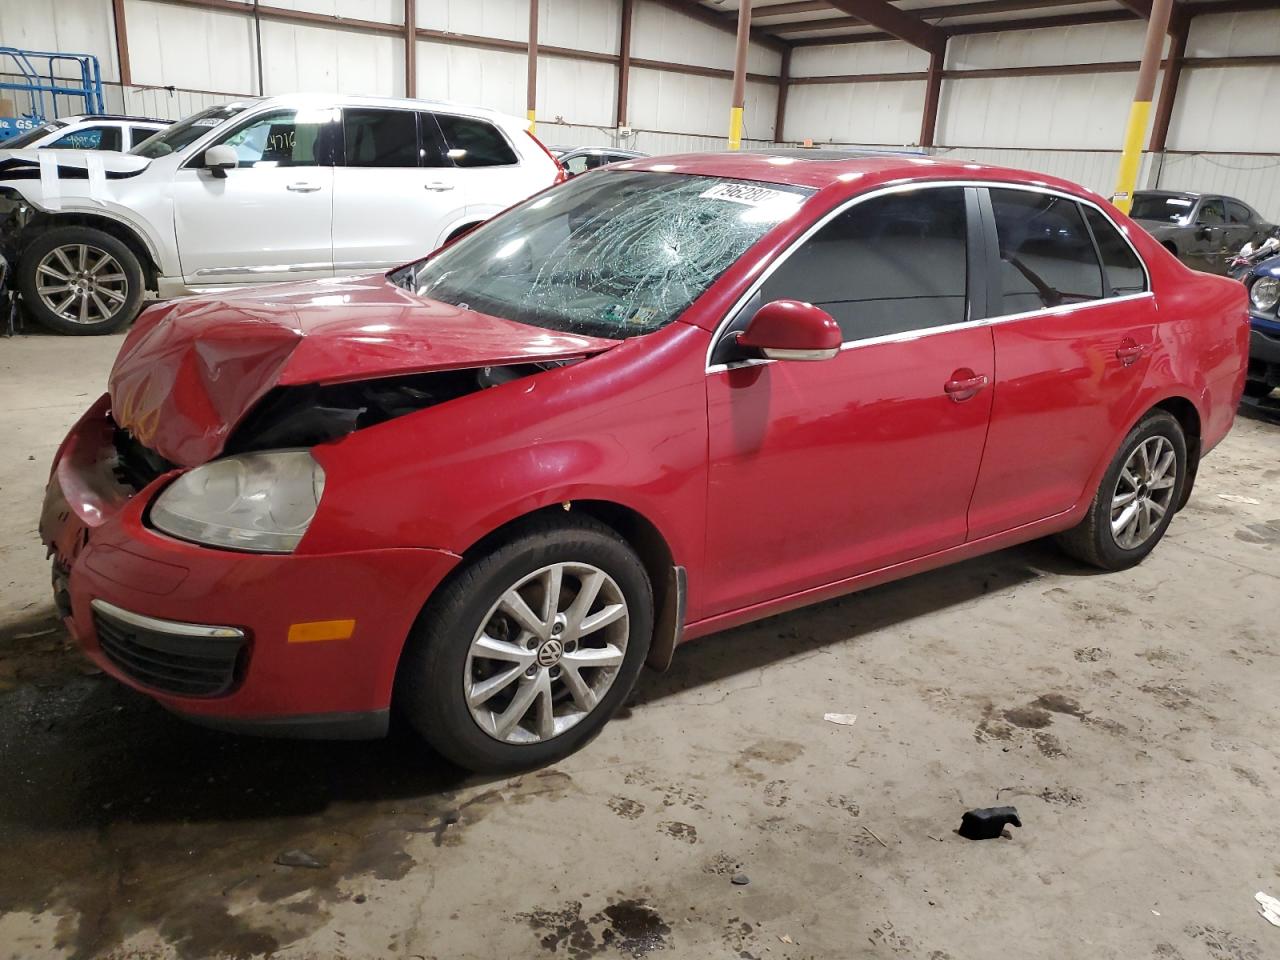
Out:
{"x": 1204, "y": 231}
{"x": 576, "y": 160}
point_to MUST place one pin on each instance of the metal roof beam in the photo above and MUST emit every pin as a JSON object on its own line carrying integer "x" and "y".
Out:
{"x": 728, "y": 23}
{"x": 977, "y": 8}
{"x": 887, "y": 17}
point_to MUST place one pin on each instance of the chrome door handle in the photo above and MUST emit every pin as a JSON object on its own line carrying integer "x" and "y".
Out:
{"x": 303, "y": 187}
{"x": 437, "y": 186}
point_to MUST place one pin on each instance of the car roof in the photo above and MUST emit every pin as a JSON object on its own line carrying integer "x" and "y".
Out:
{"x": 365, "y": 101}
{"x": 1183, "y": 194}
{"x": 81, "y": 117}
{"x": 828, "y": 167}
{"x": 620, "y": 151}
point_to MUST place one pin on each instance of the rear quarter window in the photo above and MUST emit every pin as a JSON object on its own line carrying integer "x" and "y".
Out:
{"x": 1124, "y": 271}
{"x": 475, "y": 143}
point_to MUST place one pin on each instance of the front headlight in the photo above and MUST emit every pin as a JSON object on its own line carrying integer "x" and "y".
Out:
{"x": 1265, "y": 293}
{"x": 262, "y": 502}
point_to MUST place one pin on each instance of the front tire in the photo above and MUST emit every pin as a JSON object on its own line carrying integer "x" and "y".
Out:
{"x": 1136, "y": 499}
{"x": 524, "y": 656}
{"x": 80, "y": 281}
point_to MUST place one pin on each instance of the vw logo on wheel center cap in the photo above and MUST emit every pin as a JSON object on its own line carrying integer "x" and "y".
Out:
{"x": 549, "y": 653}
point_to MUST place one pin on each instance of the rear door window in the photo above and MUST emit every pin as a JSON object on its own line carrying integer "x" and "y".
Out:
{"x": 1238, "y": 213}
{"x": 380, "y": 138}
{"x": 892, "y": 264}
{"x": 1124, "y": 271}
{"x": 1047, "y": 257}
{"x": 475, "y": 143}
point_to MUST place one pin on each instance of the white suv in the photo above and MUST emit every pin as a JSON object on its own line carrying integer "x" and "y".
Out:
{"x": 286, "y": 188}
{"x": 86, "y": 132}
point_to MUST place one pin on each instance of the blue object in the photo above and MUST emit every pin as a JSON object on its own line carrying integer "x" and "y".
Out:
{"x": 42, "y": 93}
{"x": 1266, "y": 322}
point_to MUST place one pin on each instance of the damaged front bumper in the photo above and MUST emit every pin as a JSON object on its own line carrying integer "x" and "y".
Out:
{"x": 214, "y": 634}
{"x": 15, "y": 214}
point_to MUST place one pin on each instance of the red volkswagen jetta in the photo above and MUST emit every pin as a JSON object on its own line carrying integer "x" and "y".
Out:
{"x": 654, "y": 402}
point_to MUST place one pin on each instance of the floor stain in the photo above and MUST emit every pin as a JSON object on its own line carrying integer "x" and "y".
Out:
{"x": 767, "y": 753}
{"x": 626, "y": 808}
{"x": 632, "y": 927}
{"x": 775, "y": 794}
{"x": 1061, "y": 796}
{"x": 1048, "y": 745}
{"x": 846, "y": 804}
{"x": 684, "y": 832}
{"x": 177, "y": 829}
{"x": 1223, "y": 945}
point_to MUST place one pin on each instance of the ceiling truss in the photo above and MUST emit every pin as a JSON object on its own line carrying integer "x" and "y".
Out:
{"x": 797, "y": 23}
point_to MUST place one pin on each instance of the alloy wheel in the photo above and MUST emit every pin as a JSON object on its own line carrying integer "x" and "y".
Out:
{"x": 1144, "y": 492}
{"x": 82, "y": 283}
{"x": 546, "y": 653}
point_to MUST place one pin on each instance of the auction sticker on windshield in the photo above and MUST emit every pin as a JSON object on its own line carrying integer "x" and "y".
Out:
{"x": 748, "y": 194}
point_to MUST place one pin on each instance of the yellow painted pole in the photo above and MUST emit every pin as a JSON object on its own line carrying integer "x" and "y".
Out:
{"x": 740, "y": 75}
{"x": 1135, "y": 130}
{"x": 532, "y": 81}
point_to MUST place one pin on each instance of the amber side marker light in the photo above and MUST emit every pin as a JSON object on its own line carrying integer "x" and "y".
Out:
{"x": 316, "y": 630}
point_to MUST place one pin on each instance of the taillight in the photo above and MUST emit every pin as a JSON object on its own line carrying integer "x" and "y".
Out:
{"x": 561, "y": 177}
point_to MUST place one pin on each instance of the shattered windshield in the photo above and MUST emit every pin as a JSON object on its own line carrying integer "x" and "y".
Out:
{"x": 615, "y": 254}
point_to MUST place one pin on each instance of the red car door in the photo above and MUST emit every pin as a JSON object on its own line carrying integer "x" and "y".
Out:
{"x": 821, "y": 470}
{"x": 1073, "y": 340}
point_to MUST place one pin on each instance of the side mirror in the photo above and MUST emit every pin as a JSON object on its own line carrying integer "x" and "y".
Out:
{"x": 218, "y": 160}
{"x": 791, "y": 330}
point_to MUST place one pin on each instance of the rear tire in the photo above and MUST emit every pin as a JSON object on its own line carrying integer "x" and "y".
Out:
{"x": 1136, "y": 499}
{"x": 80, "y": 281}
{"x": 493, "y": 695}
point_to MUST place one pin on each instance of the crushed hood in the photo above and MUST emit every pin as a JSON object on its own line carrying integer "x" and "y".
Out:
{"x": 190, "y": 371}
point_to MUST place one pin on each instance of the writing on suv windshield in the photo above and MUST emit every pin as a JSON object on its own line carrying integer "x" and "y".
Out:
{"x": 615, "y": 254}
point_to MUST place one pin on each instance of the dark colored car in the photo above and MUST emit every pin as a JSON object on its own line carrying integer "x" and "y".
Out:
{"x": 1263, "y": 282}
{"x": 1204, "y": 231}
{"x": 576, "y": 160}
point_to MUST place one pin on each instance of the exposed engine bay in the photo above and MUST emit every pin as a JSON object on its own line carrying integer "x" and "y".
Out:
{"x": 310, "y": 414}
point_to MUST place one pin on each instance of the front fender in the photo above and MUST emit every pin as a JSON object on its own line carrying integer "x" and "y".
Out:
{"x": 627, "y": 426}
{"x": 78, "y": 210}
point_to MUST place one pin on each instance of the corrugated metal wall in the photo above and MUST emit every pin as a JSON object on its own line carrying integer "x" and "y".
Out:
{"x": 1063, "y": 125}
{"x": 1066, "y": 125}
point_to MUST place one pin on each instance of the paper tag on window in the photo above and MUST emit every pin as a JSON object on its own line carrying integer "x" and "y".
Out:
{"x": 206, "y": 122}
{"x": 749, "y": 194}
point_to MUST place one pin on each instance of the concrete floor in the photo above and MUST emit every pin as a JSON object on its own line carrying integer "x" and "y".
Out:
{"x": 1132, "y": 718}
